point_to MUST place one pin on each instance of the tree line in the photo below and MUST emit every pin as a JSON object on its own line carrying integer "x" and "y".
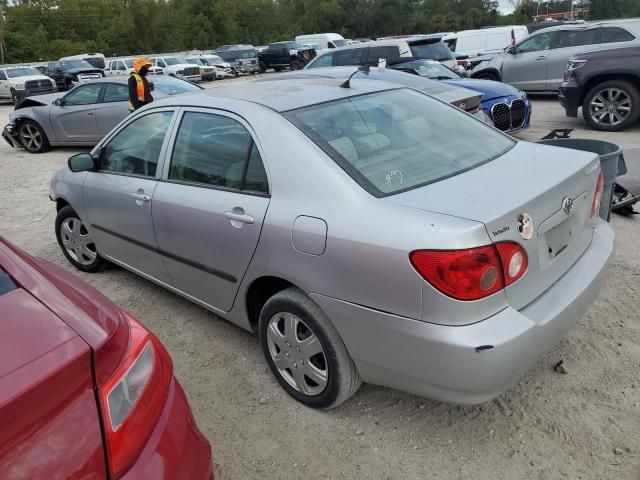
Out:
{"x": 38, "y": 30}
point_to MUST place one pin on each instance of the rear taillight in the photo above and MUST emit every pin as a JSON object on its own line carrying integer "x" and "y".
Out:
{"x": 597, "y": 197}
{"x": 133, "y": 397}
{"x": 474, "y": 273}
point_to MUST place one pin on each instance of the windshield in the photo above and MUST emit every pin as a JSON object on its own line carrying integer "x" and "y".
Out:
{"x": 341, "y": 43}
{"x": 175, "y": 60}
{"x": 129, "y": 63}
{"x": 429, "y": 69}
{"x": 195, "y": 61}
{"x": 213, "y": 60}
{"x": 69, "y": 64}
{"x": 22, "y": 72}
{"x": 432, "y": 51}
{"x": 174, "y": 86}
{"x": 398, "y": 140}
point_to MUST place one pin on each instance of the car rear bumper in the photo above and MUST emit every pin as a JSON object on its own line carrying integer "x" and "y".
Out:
{"x": 474, "y": 363}
{"x": 10, "y": 135}
{"x": 569, "y": 96}
{"x": 176, "y": 448}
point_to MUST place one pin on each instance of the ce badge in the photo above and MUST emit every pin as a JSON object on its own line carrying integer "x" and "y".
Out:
{"x": 525, "y": 226}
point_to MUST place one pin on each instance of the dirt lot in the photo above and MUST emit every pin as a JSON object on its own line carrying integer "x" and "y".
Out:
{"x": 582, "y": 425}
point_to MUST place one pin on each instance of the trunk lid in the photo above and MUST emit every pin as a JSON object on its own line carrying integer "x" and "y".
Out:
{"x": 530, "y": 182}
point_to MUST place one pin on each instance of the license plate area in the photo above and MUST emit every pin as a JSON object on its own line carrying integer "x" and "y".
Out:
{"x": 558, "y": 238}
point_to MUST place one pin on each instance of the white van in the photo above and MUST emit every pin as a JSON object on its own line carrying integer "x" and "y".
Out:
{"x": 485, "y": 40}
{"x": 322, "y": 41}
{"x": 95, "y": 59}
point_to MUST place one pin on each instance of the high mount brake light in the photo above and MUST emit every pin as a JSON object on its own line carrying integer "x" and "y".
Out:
{"x": 133, "y": 397}
{"x": 473, "y": 273}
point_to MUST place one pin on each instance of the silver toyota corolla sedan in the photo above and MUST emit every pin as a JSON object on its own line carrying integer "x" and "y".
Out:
{"x": 81, "y": 116}
{"x": 369, "y": 233}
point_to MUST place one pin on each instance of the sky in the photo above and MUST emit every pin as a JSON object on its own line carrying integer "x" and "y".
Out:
{"x": 505, "y": 6}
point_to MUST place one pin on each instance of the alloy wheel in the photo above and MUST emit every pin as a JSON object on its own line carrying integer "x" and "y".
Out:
{"x": 77, "y": 241}
{"x": 297, "y": 354}
{"x": 31, "y": 138}
{"x": 610, "y": 107}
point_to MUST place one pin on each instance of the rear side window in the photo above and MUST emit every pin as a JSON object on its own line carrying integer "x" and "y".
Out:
{"x": 577, "y": 38}
{"x": 116, "y": 92}
{"x": 388, "y": 53}
{"x": 353, "y": 56}
{"x": 616, "y": 34}
{"x": 217, "y": 151}
{"x": 394, "y": 141}
{"x": 6, "y": 284}
{"x": 432, "y": 51}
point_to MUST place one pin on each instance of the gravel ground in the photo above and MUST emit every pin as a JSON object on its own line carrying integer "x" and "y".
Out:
{"x": 582, "y": 425}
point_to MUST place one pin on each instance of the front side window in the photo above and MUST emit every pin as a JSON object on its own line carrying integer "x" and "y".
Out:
{"x": 216, "y": 151}
{"x": 325, "y": 60}
{"x": 536, "y": 43}
{"x": 84, "y": 95}
{"x": 616, "y": 34}
{"x": 577, "y": 38}
{"x": 398, "y": 140}
{"x": 135, "y": 149}
{"x": 116, "y": 92}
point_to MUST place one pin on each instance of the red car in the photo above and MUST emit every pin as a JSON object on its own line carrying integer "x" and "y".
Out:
{"x": 86, "y": 392}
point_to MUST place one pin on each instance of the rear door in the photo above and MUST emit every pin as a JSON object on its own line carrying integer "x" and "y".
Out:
{"x": 351, "y": 56}
{"x": 49, "y": 421}
{"x": 74, "y": 121}
{"x": 526, "y": 67}
{"x": 119, "y": 196}
{"x": 209, "y": 208}
{"x": 566, "y": 44}
{"x": 113, "y": 107}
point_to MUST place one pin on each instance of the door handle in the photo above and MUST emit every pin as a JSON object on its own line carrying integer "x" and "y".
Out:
{"x": 541, "y": 58}
{"x": 143, "y": 197}
{"x": 239, "y": 217}
{"x": 89, "y": 113}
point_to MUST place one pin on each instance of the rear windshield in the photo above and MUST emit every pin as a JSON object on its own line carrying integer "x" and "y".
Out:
{"x": 393, "y": 141}
{"x": 432, "y": 51}
{"x": 6, "y": 284}
{"x": 174, "y": 86}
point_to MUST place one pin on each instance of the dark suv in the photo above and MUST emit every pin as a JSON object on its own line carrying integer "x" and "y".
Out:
{"x": 606, "y": 84}
{"x": 242, "y": 58}
{"x": 68, "y": 73}
{"x": 280, "y": 55}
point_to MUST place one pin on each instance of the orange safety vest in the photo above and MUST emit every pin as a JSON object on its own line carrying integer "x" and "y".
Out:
{"x": 139, "y": 90}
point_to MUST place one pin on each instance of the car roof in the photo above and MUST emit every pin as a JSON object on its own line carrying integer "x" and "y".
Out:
{"x": 587, "y": 26}
{"x": 282, "y": 95}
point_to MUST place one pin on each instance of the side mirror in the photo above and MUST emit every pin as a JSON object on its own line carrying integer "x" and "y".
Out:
{"x": 152, "y": 87}
{"x": 58, "y": 102}
{"x": 511, "y": 50}
{"x": 82, "y": 162}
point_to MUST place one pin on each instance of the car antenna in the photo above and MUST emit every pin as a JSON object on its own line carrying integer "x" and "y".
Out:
{"x": 361, "y": 68}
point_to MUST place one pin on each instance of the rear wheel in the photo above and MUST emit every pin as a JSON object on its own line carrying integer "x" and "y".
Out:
{"x": 305, "y": 351}
{"x": 262, "y": 66}
{"x": 612, "y": 106}
{"x": 277, "y": 69}
{"x": 76, "y": 242}
{"x": 487, "y": 76}
{"x": 32, "y": 137}
{"x": 14, "y": 96}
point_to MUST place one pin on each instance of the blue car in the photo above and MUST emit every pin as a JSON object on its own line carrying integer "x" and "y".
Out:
{"x": 508, "y": 108}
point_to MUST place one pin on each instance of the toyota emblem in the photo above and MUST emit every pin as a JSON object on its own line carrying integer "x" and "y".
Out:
{"x": 567, "y": 205}
{"x": 463, "y": 106}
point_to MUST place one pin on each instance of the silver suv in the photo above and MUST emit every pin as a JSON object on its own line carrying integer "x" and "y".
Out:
{"x": 538, "y": 62}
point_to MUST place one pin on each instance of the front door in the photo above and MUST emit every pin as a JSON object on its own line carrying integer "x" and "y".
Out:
{"x": 74, "y": 119}
{"x": 526, "y": 67}
{"x": 566, "y": 44}
{"x": 119, "y": 197}
{"x": 208, "y": 212}
{"x": 113, "y": 107}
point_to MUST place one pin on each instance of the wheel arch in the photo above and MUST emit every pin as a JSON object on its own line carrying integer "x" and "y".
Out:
{"x": 607, "y": 77}
{"x": 259, "y": 291}
{"x": 490, "y": 70}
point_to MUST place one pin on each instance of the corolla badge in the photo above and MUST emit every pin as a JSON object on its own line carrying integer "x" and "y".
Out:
{"x": 525, "y": 226}
{"x": 567, "y": 205}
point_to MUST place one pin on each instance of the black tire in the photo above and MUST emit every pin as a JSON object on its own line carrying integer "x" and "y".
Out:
{"x": 631, "y": 97}
{"x": 262, "y": 66}
{"x": 296, "y": 65}
{"x": 14, "y": 96}
{"x": 342, "y": 378}
{"x": 487, "y": 76}
{"x": 277, "y": 69}
{"x": 68, "y": 214}
{"x": 32, "y": 137}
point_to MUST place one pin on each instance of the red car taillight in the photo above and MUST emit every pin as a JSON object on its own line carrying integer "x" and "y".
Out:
{"x": 597, "y": 197}
{"x": 133, "y": 397}
{"x": 474, "y": 273}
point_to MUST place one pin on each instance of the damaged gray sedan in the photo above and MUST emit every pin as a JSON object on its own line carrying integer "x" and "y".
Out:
{"x": 366, "y": 231}
{"x": 79, "y": 117}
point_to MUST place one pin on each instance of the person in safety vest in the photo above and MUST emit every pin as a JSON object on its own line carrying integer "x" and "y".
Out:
{"x": 139, "y": 92}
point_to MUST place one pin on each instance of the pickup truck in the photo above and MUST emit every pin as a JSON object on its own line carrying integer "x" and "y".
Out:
{"x": 69, "y": 73}
{"x": 176, "y": 67}
{"x": 280, "y": 55}
{"x": 19, "y": 82}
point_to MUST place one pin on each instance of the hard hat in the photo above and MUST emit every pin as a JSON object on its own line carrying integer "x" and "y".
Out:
{"x": 140, "y": 62}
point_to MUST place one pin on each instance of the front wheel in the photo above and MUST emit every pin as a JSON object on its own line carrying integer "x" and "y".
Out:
{"x": 32, "y": 137}
{"x": 262, "y": 67}
{"x": 305, "y": 351}
{"x": 295, "y": 65}
{"x": 487, "y": 76}
{"x": 76, "y": 242}
{"x": 611, "y": 106}
{"x": 14, "y": 96}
